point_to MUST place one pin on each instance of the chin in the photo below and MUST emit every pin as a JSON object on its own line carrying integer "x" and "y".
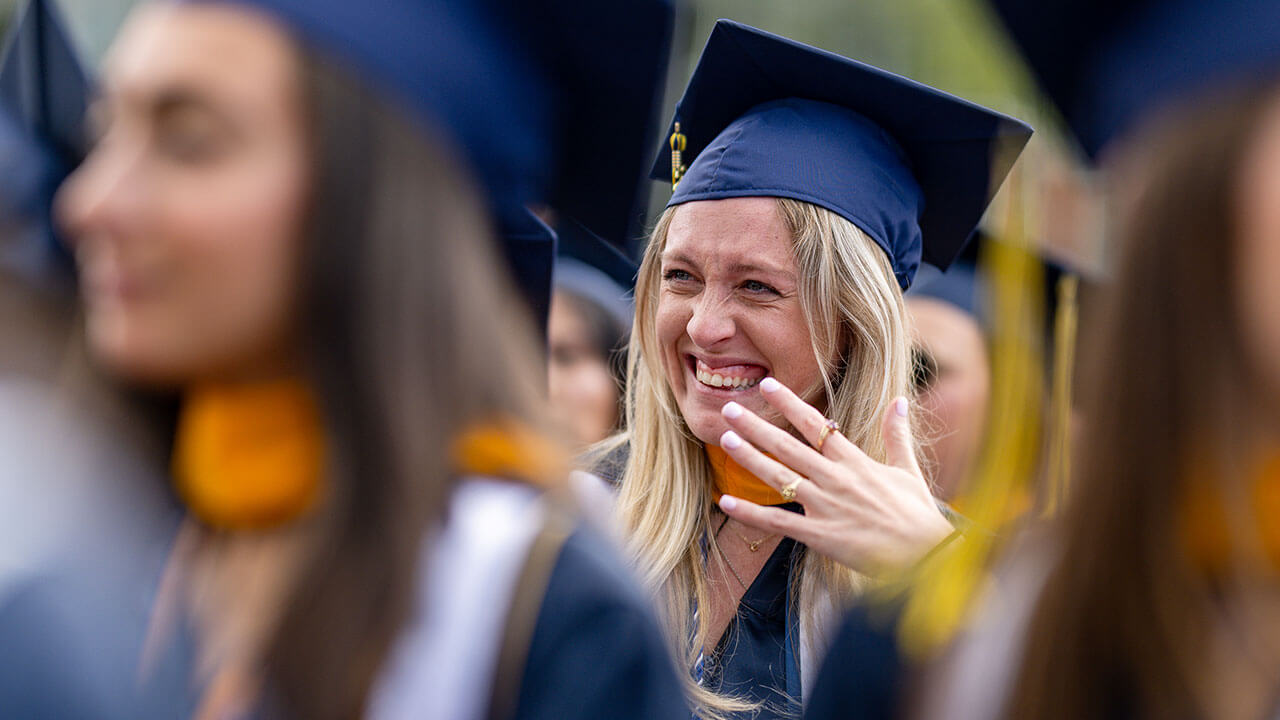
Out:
{"x": 706, "y": 428}
{"x": 127, "y": 357}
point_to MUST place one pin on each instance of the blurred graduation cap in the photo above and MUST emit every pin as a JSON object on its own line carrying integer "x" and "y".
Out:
{"x": 1108, "y": 63}
{"x": 550, "y": 102}
{"x": 963, "y": 285}
{"x": 766, "y": 116}
{"x": 596, "y": 270}
{"x": 44, "y": 93}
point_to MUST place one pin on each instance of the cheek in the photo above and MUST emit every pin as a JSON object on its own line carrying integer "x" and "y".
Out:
{"x": 671, "y": 321}
{"x": 599, "y": 391}
{"x": 225, "y": 249}
{"x": 1258, "y": 293}
{"x": 788, "y": 347}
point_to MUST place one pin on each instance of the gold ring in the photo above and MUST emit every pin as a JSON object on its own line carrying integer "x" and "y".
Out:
{"x": 789, "y": 490}
{"x": 830, "y": 427}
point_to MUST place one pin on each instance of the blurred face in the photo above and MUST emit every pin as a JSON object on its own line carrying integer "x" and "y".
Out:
{"x": 1259, "y": 258}
{"x": 185, "y": 218}
{"x": 584, "y": 395}
{"x": 729, "y": 311}
{"x": 957, "y": 393}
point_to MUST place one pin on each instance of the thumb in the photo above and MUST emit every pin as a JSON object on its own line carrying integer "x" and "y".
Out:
{"x": 895, "y": 430}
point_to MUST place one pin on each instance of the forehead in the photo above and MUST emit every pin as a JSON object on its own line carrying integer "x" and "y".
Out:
{"x": 943, "y": 328}
{"x": 733, "y": 229}
{"x": 220, "y": 49}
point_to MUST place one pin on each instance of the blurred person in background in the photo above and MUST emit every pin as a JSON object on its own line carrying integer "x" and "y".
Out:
{"x": 1156, "y": 594}
{"x": 271, "y": 229}
{"x": 587, "y": 334}
{"x": 1162, "y": 596}
{"x": 952, "y": 382}
{"x": 767, "y": 269}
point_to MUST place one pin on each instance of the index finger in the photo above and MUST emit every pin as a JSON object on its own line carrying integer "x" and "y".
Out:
{"x": 808, "y": 420}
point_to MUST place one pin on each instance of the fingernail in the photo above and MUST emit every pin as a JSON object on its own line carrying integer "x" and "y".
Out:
{"x": 900, "y": 407}
{"x": 728, "y": 503}
{"x": 732, "y": 410}
{"x": 770, "y": 385}
{"x": 730, "y": 441}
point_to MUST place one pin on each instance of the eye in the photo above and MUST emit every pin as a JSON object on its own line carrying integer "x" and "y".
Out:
{"x": 755, "y": 286}
{"x": 924, "y": 369}
{"x": 188, "y": 135}
{"x": 188, "y": 144}
{"x": 675, "y": 275}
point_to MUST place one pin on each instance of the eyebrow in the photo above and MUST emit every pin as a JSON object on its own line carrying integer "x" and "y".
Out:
{"x": 161, "y": 102}
{"x": 174, "y": 98}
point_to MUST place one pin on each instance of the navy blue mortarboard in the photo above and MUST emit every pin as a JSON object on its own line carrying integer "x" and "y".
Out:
{"x": 911, "y": 166}
{"x": 43, "y": 82}
{"x": 1108, "y": 63}
{"x": 959, "y": 287}
{"x": 596, "y": 270}
{"x": 44, "y": 93}
{"x": 530, "y": 248}
{"x": 549, "y": 102}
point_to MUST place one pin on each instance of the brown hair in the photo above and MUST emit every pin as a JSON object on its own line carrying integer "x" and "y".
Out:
{"x": 1120, "y": 626}
{"x": 412, "y": 335}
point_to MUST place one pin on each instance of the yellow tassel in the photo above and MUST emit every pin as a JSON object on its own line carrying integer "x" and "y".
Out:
{"x": 1058, "y": 473}
{"x": 678, "y": 145}
{"x": 945, "y": 583}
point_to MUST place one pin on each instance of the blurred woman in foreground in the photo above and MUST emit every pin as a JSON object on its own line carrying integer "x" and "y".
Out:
{"x": 282, "y": 245}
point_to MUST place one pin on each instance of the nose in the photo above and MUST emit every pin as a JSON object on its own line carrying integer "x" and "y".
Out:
{"x": 95, "y": 199}
{"x": 711, "y": 323}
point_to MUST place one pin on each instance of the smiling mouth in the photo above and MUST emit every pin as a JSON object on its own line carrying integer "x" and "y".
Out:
{"x": 730, "y": 378}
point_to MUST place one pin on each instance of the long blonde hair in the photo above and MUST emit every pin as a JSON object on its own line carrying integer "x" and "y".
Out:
{"x": 856, "y": 319}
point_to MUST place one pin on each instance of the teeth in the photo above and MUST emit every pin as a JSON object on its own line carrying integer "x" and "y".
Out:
{"x": 717, "y": 380}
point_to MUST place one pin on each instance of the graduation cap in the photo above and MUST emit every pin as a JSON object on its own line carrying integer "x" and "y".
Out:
{"x": 44, "y": 93}
{"x": 529, "y": 245}
{"x": 1107, "y": 63}
{"x": 590, "y": 267}
{"x": 43, "y": 82}
{"x": 911, "y": 166}
{"x": 549, "y": 102}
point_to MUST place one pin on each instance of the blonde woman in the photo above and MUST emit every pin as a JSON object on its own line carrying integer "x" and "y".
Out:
{"x": 769, "y": 464}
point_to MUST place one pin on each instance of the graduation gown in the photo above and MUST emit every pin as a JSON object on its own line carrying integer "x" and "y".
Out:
{"x": 757, "y": 658}
{"x": 864, "y": 675}
{"x": 765, "y": 655}
{"x": 595, "y": 650}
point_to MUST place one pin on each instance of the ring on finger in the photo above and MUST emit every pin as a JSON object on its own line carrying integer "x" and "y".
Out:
{"x": 829, "y": 427}
{"x": 788, "y": 491}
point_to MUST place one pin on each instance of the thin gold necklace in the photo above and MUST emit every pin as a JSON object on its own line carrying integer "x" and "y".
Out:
{"x": 752, "y": 545}
{"x": 725, "y": 558}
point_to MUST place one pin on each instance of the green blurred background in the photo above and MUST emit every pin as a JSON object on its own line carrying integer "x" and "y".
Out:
{"x": 951, "y": 44}
{"x": 954, "y": 45}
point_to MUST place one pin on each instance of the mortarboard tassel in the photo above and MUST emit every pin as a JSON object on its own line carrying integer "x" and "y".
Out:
{"x": 678, "y": 145}
{"x": 943, "y": 586}
{"x": 1058, "y": 473}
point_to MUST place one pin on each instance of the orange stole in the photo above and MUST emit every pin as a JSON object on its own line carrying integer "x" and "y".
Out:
{"x": 1212, "y": 532}
{"x": 510, "y": 450}
{"x": 730, "y": 478}
{"x": 249, "y": 457}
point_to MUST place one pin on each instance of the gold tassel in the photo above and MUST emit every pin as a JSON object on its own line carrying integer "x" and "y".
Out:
{"x": 942, "y": 587}
{"x": 1058, "y": 474}
{"x": 678, "y": 145}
